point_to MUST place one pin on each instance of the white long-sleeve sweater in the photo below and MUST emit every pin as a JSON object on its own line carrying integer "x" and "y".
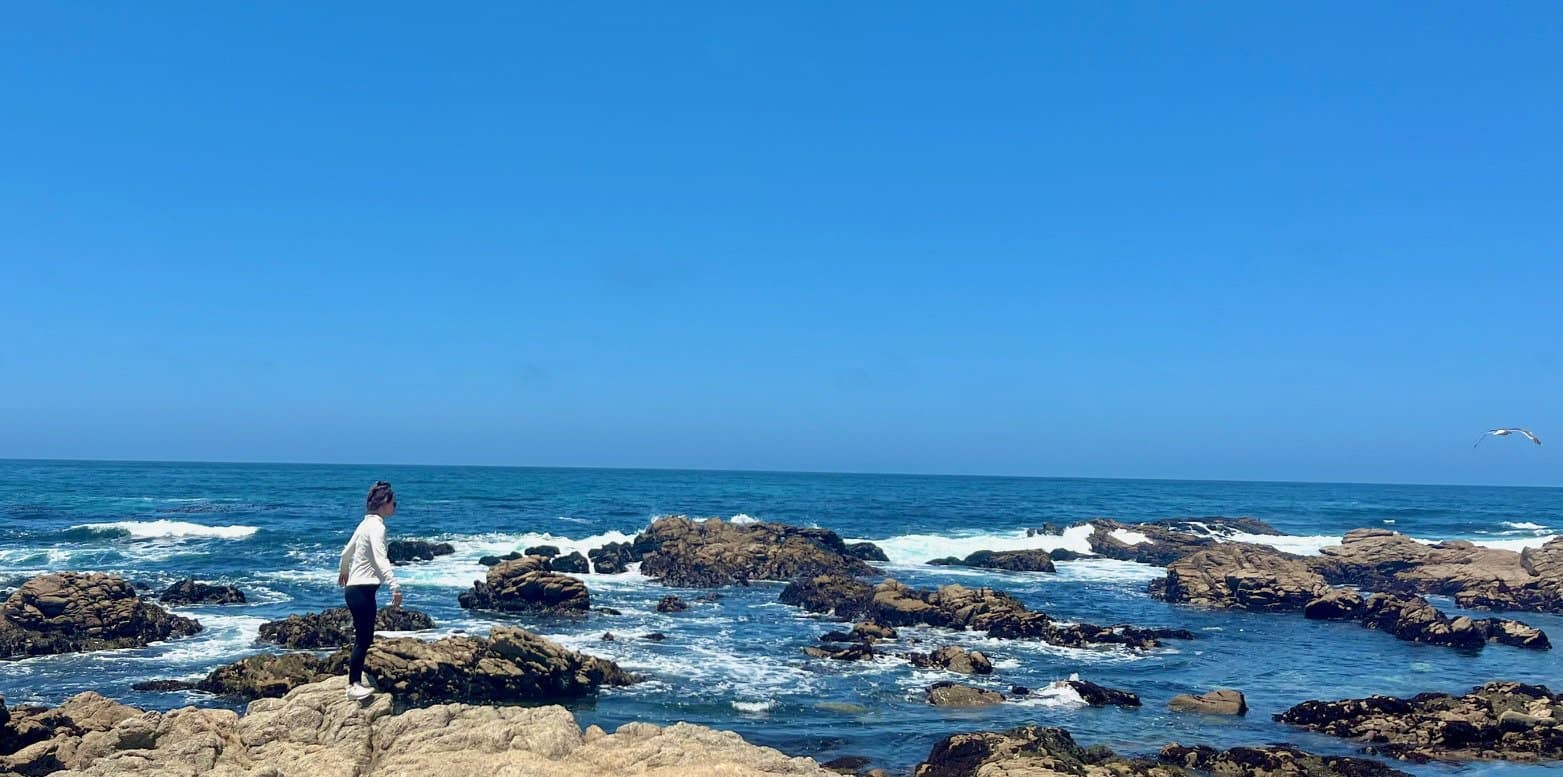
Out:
{"x": 364, "y": 560}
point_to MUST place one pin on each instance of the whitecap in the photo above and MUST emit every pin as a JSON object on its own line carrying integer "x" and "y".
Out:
{"x": 754, "y": 707}
{"x": 1129, "y": 537}
{"x": 1106, "y": 571}
{"x": 743, "y": 518}
{"x": 1524, "y": 526}
{"x": 916, "y": 549}
{"x": 1056, "y": 694}
{"x": 1302, "y": 545}
{"x": 166, "y": 529}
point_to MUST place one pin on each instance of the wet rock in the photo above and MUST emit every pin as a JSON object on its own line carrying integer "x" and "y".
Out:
{"x": 608, "y": 611}
{"x": 1064, "y": 554}
{"x": 1477, "y": 577}
{"x": 1011, "y": 560}
{"x": 709, "y": 596}
{"x": 607, "y": 636}
{"x": 527, "y": 584}
{"x": 1416, "y": 620}
{"x": 847, "y": 764}
{"x": 270, "y": 675}
{"x": 1273, "y": 761}
{"x": 315, "y": 731}
{"x": 490, "y": 561}
{"x": 655, "y": 636}
{"x": 42, "y": 740}
{"x": 867, "y": 551}
{"x": 613, "y": 558}
{"x": 189, "y": 591}
{"x": 1438, "y": 726}
{"x": 947, "y": 694}
{"x": 511, "y": 664}
{"x": 1219, "y": 702}
{"x": 671, "y": 604}
{"x": 163, "y": 686}
{"x": 408, "y": 551}
{"x": 952, "y": 658}
{"x": 333, "y": 628}
{"x": 1030, "y": 751}
{"x": 868, "y": 630}
{"x": 1102, "y": 696}
{"x": 838, "y": 595}
{"x": 712, "y": 553}
{"x": 574, "y": 563}
{"x": 69, "y": 612}
{"x": 546, "y": 551}
{"x": 1019, "y": 690}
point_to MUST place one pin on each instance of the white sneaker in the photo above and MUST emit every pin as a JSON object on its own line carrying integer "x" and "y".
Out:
{"x": 358, "y": 692}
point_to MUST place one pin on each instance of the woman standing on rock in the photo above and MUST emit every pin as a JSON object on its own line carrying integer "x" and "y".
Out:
{"x": 364, "y": 568}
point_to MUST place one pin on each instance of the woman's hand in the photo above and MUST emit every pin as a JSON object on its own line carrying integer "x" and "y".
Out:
{"x": 396, "y": 599}
{"x": 341, "y": 579}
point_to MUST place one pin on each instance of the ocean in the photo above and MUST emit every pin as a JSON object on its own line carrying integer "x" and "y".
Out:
{"x": 275, "y": 530}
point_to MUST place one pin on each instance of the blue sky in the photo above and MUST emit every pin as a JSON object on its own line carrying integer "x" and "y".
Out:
{"x": 1194, "y": 240}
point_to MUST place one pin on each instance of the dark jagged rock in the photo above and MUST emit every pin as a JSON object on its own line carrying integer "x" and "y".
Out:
{"x": 868, "y": 630}
{"x": 671, "y": 604}
{"x": 1166, "y": 541}
{"x": 613, "y": 558}
{"x": 954, "y": 659}
{"x": 1064, "y": 554}
{"x": 655, "y": 636}
{"x": 947, "y": 694}
{"x": 491, "y": 561}
{"x": 1035, "y": 751}
{"x": 867, "y": 551}
{"x": 608, "y": 611}
{"x": 188, "y": 591}
{"x": 855, "y": 651}
{"x": 1019, "y": 690}
{"x": 1499, "y": 720}
{"x": 574, "y": 563}
{"x": 1011, "y": 560}
{"x": 163, "y": 686}
{"x": 954, "y": 606}
{"x": 607, "y": 636}
{"x": 270, "y": 675}
{"x": 1273, "y": 761}
{"x": 1216, "y": 526}
{"x": 1102, "y": 696}
{"x": 407, "y": 551}
{"x": 709, "y": 596}
{"x": 1477, "y": 577}
{"x": 333, "y": 628}
{"x": 546, "y": 551}
{"x": 69, "y": 612}
{"x": 847, "y": 764}
{"x": 1224, "y": 701}
{"x": 712, "y": 553}
{"x": 527, "y": 584}
{"x": 509, "y": 665}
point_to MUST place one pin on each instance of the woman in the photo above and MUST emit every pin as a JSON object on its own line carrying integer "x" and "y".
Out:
{"x": 364, "y": 568}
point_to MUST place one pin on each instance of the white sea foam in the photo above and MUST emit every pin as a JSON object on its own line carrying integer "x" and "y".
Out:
{"x": 1056, "y": 694}
{"x": 1514, "y": 545}
{"x": 165, "y": 529}
{"x": 754, "y": 707}
{"x": 917, "y": 549}
{"x": 1524, "y": 526}
{"x": 743, "y": 518}
{"x": 1106, "y": 570}
{"x": 1302, "y": 545}
{"x": 1129, "y": 537}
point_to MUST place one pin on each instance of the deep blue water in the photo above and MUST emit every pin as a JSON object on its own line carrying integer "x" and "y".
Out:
{"x": 275, "y": 531}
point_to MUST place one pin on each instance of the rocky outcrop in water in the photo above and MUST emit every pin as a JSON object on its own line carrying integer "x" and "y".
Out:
{"x": 1035, "y": 751}
{"x": 1102, "y": 696}
{"x": 1000, "y": 615}
{"x": 190, "y": 591}
{"x": 314, "y": 731}
{"x": 572, "y": 562}
{"x": 948, "y": 694}
{"x": 1499, "y": 720}
{"x": 1225, "y": 701}
{"x": 527, "y": 584}
{"x": 68, "y": 612}
{"x": 407, "y": 551}
{"x": 613, "y": 558}
{"x": 333, "y": 628}
{"x": 1252, "y": 577}
{"x": 1162, "y": 542}
{"x": 489, "y": 561}
{"x": 867, "y": 551}
{"x": 1477, "y": 577}
{"x": 671, "y": 604}
{"x": 1010, "y": 560}
{"x": 952, "y": 658}
{"x": 683, "y": 552}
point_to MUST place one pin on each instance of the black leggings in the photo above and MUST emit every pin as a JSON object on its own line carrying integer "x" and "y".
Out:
{"x": 360, "y": 602}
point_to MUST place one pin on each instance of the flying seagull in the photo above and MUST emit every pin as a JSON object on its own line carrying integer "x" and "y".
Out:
{"x": 1505, "y": 432}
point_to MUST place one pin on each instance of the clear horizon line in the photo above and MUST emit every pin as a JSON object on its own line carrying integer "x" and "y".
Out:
{"x": 851, "y": 473}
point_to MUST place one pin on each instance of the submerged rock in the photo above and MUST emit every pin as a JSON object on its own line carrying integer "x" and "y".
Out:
{"x": 1439, "y": 726}
{"x": 490, "y": 561}
{"x": 1273, "y": 761}
{"x": 333, "y": 628}
{"x": 527, "y": 584}
{"x": 705, "y": 554}
{"x": 407, "y": 551}
{"x": 1102, "y": 696}
{"x": 546, "y": 551}
{"x": 1224, "y": 701}
{"x": 315, "y": 731}
{"x": 189, "y": 591}
{"x": 953, "y": 658}
{"x": 612, "y": 559}
{"x": 948, "y": 694}
{"x": 671, "y": 604}
{"x": 855, "y": 651}
{"x": 68, "y": 612}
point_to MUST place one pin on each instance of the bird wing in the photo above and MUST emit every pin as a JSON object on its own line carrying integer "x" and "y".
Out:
{"x": 1533, "y": 438}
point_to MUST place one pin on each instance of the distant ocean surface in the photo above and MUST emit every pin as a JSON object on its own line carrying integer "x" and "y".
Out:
{"x": 275, "y": 532}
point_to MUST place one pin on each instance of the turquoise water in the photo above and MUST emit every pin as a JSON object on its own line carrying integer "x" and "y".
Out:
{"x": 275, "y": 531}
